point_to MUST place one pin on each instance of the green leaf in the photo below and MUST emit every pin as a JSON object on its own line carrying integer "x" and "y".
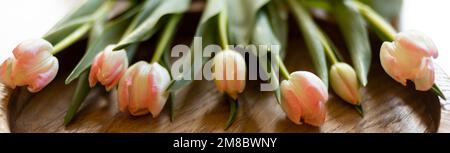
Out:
{"x": 213, "y": 8}
{"x": 147, "y": 28}
{"x": 438, "y": 91}
{"x": 162, "y": 49}
{"x": 112, "y": 33}
{"x": 387, "y": 8}
{"x": 234, "y": 105}
{"x": 322, "y": 4}
{"x": 330, "y": 49}
{"x": 278, "y": 95}
{"x": 74, "y": 36}
{"x": 207, "y": 29}
{"x": 144, "y": 11}
{"x": 131, "y": 51}
{"x": 271, "y": 22}
{"x": 83, "y": 88}
{"x": 275, "y": 81}
{"x": 264, "y": 27}
{"x": 166, "y": 37}
{"x": 97, "y": 30}
{"x": 80, "y": 94}
{"x": 171, "y": 100}
{"x": 171, "y": 105}
{"x": 359, "y": 109}
{"x": 278, "y": 17}
{"x": 378, "y": 24}
{"x": 356, "y": 37}
{"x": 73, "y": 21}
{"x": 84, "y": 10}
{"x": 241, "y": 19}
{"x": 56, "y": 35}
{"x": 312, "y": 38}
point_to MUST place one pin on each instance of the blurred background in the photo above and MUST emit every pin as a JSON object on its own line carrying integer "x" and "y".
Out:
{"x": 23, "y": 19}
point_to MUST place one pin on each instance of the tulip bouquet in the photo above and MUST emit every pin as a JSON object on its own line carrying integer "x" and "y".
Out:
{"x": 144, "y": 87}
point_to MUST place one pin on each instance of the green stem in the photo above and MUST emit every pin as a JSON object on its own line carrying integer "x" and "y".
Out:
{"x": 308, "y": 28}
{"x": 166, "y": 37}
{"x": 328, "y": 51}
{"x": 378, "y": 23}
{"x": 282, "y": 67}
{"x": 81, "y": 31}
{"x": 104, "y": 9}
{"x": 72, "y": 38}
{"x": 223, "y": 33}
{"x": 133, "y": 23}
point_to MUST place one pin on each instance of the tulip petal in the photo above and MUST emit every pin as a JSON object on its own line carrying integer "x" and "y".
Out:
{"x": 95, "y": 68}
{"x": 389, "y": 63}
{"x": 418, "y": 42}
{"x": 5, "y": 73}
{"x": 124, "y": 89}
{"x": 33, "y": 65}
{"x": 409, "y": 57}
{"x": 290, "y": 102}
{"x": 344, "y": 82}
{"x": 309, "y": 80}
{"x": 139, "y": 90}
{"x": 229, "y": 72}
{"x": 31, "y": 48}
{"x": 309, "y": 93}
{"x": 219, "y": 69}
{"x": 43, "y": 78}
{"x": 160, "y": 80}
{"x": 425, "y": 77}
{"x": 108, "y": 67}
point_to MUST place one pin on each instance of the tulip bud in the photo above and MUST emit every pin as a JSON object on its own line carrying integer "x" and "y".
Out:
{"x": 303, "y": 97}
{"x": 142, "y": 89}
{"x": 108, "y": 67}
{"x": 33, "y": 65}
{"x": 409, "y": 57}
{"x": 345, "y": 83}
{"x": 229, "y": 72}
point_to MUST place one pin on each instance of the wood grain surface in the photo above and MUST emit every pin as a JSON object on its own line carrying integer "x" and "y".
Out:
{"x": 388, "y": 106}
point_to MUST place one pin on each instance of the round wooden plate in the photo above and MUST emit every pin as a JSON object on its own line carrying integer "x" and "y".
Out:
{"x": 388, "y": 106}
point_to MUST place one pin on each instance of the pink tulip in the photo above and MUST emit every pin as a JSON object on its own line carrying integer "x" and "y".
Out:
{"x": 33, "y": 65}
{"x": 344, "y": 82}
{"x": 108, "y": 67}
{"x": 5, "y": 73}
{"x": 303, "y": 97}
{"x": 142, "y": 89}
{"x": 409, "y": 57}
{"x": 229, "y": 72}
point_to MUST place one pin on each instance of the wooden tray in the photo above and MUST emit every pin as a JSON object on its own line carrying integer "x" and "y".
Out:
{"x": 388, "y": 106}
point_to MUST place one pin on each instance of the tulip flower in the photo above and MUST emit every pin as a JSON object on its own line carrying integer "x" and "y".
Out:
{"x": 344, "y": 82}
{"x": 32, "y": 65}
{"x": 229, "y": 72}
{"x": 303, "y": 98}
{"x": 5, "y": 73}
{"x": 108, "y": 67}
{"x": 142, "y": 89}
{"x": 409, "y": 57}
